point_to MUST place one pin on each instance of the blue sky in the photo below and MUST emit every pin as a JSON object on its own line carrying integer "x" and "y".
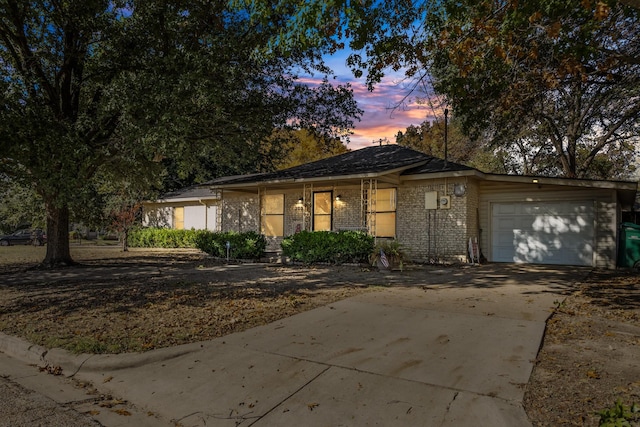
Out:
{"x": 380, "y": 119}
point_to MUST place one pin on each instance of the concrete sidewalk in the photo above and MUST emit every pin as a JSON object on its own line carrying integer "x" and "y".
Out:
{"x": 420, "y": 356}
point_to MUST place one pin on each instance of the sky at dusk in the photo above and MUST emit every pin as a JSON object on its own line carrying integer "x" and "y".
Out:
{"x": 380, "y": 119}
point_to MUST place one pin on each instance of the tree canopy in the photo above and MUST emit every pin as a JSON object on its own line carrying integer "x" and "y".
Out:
{"x": 429, "y": 138}
{"x": 555, "y": 81}
{"x": 559, "y": 79}
{"x": 124, "y": 89}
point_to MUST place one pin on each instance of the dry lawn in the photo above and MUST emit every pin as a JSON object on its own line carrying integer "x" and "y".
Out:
{"x": 152, "y": 299}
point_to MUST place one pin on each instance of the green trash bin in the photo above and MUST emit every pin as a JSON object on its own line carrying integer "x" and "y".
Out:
{"x": 629, "y": 248}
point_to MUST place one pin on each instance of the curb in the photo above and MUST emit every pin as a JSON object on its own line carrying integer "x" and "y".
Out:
{"x": 21, "y": 349}
{"x": 71, "y": 364}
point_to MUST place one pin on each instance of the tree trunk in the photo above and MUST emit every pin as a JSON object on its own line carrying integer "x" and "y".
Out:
{"x": 58, "y": 253}
{"x": 125, "y": 240}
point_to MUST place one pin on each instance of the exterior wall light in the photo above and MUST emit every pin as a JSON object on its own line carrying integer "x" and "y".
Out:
{"x": 338, "y": 198}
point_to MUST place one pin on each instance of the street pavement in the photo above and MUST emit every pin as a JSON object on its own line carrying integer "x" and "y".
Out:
{"x": 432, "y": 355}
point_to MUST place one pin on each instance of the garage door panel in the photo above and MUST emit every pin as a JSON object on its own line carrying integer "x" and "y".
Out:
{"x": 545, "y": 233}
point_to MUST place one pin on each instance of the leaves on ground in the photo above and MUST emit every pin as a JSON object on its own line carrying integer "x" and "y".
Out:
{"x": 182, "y": 305}
{"x": 590, "y": 353}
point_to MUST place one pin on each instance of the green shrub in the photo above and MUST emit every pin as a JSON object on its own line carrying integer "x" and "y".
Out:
{"x": 326, "y": 246}
{"x": 619, "y": 415}
{"x": 250, "y": 245}
{"x": 163, "y": 238}
{"x": 392, "y": 250}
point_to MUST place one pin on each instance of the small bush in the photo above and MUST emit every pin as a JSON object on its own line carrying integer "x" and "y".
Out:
{"x": 326, "y": 246}
{"x": 250, "y": 245}
{"x": 619, "y": 415}
{"x": 392, "y": 250}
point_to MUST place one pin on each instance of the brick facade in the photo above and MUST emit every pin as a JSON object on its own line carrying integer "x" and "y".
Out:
{"x": 436, "y": 234}
{"x": 425, "y": 235}
{"x": 240, "y": 212}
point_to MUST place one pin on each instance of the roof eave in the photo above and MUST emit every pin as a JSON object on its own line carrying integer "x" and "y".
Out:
{"x": 330, "y": 178}
{"x": 444, "y": 174}
{"x": 541, "y": 180}
{"x": 183, "y": 199}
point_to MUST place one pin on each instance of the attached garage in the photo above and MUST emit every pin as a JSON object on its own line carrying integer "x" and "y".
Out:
{"x": 543, "y": 232}
{"x": 554, "y": 221}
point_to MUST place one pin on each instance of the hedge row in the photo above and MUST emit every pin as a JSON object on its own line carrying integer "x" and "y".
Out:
{"x": 163, "y": 238}
{"x": 326, "y": 246}
{"x": 249, "y": 245}
{"x": 308, "y": 247}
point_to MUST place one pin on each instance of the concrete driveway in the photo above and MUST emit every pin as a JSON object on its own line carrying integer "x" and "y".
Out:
{"x": 440, "y": 347}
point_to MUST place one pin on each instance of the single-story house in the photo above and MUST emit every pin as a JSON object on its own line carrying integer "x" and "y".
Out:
{"x": 432, "y": 207}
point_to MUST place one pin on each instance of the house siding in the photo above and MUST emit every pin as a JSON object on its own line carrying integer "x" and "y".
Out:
{"x": 240, "y": 212}
{"x": 606, "y": 215}
{"x": 439, "y": 234}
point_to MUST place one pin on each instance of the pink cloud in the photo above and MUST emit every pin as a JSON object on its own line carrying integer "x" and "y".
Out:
{"x": 391, "y": 107}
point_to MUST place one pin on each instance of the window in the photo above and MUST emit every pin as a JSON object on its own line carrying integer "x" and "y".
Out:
{"x": 272, "y": 223}
{"x": 178, "y": 218}
{"x": 386, "y": 212}
{"x": 322, "y": 210}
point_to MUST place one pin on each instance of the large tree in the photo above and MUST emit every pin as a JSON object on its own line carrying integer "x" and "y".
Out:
{"x": 561, "y": 79}
{"x": 556, "y": 80}
{"x": 120, "y": 88}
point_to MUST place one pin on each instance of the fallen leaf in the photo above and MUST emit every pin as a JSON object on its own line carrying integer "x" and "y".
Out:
{"x": 591, "y": 373}
{"x": 311, "y": 406}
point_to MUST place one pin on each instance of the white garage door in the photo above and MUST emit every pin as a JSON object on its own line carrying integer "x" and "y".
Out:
{"x": 543, "y": 233}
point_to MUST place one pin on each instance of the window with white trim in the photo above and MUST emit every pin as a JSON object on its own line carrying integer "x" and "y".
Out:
{"x": 385, "y": 212}
{"x": 272, "y": 221}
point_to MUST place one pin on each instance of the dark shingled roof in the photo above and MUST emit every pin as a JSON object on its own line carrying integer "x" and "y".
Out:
{"x": 370, "y": 160}
{"x": 194, "y": 191}
{"x": 434, "y": 165}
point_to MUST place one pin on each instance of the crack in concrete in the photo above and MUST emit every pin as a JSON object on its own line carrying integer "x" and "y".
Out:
{"x": 291, "y": 395}
{"x": 446, "y": 411}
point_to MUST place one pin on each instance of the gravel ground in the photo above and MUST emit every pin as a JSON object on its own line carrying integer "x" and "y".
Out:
{"x": 23, "y": 408}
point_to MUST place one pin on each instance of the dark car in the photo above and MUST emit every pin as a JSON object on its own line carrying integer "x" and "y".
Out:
{"x": 24, "y": 237}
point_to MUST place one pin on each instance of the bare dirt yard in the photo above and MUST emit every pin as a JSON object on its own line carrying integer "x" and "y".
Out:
{"x": 590, "y": 356}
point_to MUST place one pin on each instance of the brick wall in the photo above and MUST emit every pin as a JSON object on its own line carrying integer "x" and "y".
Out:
{"x": 425, "y": 235}
{"x": 438, "y": 234}
{"x": 240, "y": 212}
